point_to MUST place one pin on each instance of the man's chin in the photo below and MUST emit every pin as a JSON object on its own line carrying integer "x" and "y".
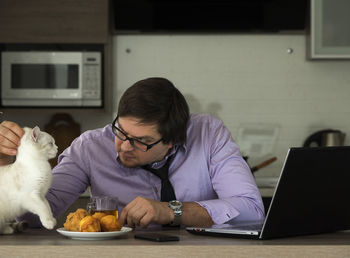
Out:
{"x": 129, "y": 163}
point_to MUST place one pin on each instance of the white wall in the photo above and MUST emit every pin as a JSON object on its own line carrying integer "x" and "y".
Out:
{"x": 244, "y": 80}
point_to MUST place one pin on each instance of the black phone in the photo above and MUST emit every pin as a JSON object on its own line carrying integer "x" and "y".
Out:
{"x": 156, "y": 237}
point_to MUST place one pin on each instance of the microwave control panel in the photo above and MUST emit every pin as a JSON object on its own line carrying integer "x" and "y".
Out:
{"x": 92, "y": 75}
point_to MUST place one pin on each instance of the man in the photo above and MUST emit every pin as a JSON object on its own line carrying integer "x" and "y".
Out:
{"x": 206, "y": 172}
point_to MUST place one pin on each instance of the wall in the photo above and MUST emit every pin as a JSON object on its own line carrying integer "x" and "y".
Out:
{"x": 249, "y": 81}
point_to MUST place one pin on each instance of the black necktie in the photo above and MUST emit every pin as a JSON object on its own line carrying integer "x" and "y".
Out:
{"x": 167, "y": 192}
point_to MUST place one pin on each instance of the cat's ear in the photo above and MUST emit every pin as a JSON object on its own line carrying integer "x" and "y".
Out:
{"x": 35, "y": 133}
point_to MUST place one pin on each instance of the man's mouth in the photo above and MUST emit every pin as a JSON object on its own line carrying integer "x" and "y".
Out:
{"x": 127, "y": 156}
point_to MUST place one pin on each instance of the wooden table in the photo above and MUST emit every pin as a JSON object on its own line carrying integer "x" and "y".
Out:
{"x": 45, "y": 243}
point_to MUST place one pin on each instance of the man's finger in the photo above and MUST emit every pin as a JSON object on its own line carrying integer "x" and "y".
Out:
{"x": 125, "y": 211}
{"x": 13, "y": 127}
{"x": 11, "y": 131}
{"x": 122, "y": 217}
{"x": 8, "y": 151}
{"x": 145, "y": 220}
{"x": 130, "y": 222}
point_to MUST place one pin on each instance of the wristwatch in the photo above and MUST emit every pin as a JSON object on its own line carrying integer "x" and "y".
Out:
{"x": 176, "y": 206}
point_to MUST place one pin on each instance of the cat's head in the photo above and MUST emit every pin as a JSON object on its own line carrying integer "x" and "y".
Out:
{"x": 43, "y": 141}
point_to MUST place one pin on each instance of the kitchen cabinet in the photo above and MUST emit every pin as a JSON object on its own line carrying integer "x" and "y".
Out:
{"x": 330, "y": 33}
{"x": 61, "y": 25}
{"x": 48, "y": 21}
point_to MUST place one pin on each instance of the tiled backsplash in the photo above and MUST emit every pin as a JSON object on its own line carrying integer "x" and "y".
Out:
{"x": 244, "y": 80}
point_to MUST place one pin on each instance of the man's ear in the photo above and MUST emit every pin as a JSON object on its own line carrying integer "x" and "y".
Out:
{"x": 170, "y": 145}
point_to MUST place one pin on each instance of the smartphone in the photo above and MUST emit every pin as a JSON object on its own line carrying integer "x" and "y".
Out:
{"x": 156, "y": 237}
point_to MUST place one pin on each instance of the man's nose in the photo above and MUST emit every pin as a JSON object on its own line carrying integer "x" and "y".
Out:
{"x": 126, "y": 146}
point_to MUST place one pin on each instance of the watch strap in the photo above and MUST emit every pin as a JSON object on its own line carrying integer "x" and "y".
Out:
{"x": 176, "y": 221}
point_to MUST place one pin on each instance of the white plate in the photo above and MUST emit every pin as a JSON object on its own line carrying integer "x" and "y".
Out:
{"x": 93, "y": 235}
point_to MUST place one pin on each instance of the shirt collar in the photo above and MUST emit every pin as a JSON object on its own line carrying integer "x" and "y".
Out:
{"x": 159, "y": 164}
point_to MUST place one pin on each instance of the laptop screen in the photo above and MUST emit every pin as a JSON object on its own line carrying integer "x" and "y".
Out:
{"x": 311, "y": 196}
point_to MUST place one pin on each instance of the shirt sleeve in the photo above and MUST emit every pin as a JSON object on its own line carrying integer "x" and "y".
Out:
{"x": 70, "y": 176}
{"x": 239, "y": 198}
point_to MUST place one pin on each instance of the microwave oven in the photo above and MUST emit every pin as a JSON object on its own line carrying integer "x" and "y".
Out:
{"x": 56, "y": 79}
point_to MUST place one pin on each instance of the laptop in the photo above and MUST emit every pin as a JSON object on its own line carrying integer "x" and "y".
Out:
{"x": 312, "y": 196}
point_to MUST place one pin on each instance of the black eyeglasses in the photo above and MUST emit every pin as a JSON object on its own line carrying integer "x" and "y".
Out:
{"x": 137, "y": 144}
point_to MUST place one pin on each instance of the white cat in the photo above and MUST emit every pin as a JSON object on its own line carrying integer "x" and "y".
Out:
{"x": 24, "y": 184}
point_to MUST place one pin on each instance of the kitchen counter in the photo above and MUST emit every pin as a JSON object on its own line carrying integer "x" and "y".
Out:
{"x": 45, "y": 243}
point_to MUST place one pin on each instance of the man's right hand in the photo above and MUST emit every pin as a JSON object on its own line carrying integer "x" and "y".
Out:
{"x": 10, "y": 137}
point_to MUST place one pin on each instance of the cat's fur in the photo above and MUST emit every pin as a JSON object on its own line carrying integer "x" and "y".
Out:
{"x": 24, "y": 184}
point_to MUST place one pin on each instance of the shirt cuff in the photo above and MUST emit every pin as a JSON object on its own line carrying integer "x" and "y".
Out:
{"x": 220, "y": 210}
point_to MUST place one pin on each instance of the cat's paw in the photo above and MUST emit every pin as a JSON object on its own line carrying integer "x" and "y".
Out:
{"x": 49, "y": 223}
{"x": 7, "y": 230}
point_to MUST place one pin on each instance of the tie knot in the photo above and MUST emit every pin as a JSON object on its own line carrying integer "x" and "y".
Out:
{"x": 162, "y": 172}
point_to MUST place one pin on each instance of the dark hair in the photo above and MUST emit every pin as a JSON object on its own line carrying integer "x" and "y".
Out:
{"x": 157, "y": 101}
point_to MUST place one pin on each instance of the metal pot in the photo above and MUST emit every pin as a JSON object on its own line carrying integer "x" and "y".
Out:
{"x": 325, "y": 138}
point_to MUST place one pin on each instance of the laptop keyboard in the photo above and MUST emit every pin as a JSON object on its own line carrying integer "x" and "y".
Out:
{"x": 252, "y": 227}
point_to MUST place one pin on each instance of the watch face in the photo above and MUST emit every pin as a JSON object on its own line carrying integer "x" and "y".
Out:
{"x": 175, "y": 203}
{"x": 176, "y": 206}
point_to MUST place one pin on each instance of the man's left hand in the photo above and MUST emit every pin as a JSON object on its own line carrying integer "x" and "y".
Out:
{"x": 142, "y": 211}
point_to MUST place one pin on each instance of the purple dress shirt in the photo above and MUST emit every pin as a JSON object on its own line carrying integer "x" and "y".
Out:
{"x": 208, "y": 169}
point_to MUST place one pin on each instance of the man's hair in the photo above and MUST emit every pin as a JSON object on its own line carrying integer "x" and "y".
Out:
{"x": 157, "y": 101}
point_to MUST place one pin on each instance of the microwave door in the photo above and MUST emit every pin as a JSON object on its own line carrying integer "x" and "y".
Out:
{"x": 33, "y": 81}
{"x": 45, "y": 80}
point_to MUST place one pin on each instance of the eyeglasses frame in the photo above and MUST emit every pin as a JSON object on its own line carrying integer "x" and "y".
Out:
{"x": 130, "y": 139}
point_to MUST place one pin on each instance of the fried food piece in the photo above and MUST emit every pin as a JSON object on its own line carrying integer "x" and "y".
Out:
{"x": 89, "y": 224}
{"x": 110, "y": 223}
{"x": 99, "y": 215}
{"x": 74, "y": 218}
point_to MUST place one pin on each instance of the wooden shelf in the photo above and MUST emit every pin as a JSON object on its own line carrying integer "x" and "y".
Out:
{"x": 60, "y": 21}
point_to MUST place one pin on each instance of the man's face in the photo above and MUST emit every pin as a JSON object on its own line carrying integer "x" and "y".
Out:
{"x": 132, "y": 157}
